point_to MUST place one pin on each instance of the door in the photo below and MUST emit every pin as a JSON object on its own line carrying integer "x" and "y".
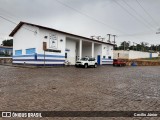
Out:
{"x": 99, "y": 59}
{"x": 150, "y": 55}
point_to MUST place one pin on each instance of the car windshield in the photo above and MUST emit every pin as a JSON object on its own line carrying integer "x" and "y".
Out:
{"x": 84, "y": 59}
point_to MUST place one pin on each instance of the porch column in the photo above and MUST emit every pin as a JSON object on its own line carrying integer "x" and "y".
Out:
{"x": 92, "y": 49}
{"x": 80, "y": 49}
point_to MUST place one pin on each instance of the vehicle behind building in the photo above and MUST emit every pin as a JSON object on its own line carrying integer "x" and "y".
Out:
{"x": 119, "y": 62}
{"x": 86, "y": 62}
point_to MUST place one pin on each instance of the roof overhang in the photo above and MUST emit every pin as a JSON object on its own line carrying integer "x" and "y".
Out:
{"x": 81, "y": 37}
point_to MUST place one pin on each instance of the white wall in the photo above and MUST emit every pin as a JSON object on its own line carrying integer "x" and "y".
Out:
{"x": 87, "y": 50}
{"x": 71, "y": 54}
{"x": 61, "y": 45}
{"x": 97, "y": 50}
{"x": 25, "y": 39}
{"x": 122, "y": 54}
{"x": 133, "y": 54}
{"x": 107, "y": 51}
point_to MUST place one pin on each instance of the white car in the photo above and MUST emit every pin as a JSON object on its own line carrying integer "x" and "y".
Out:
{"x": 86, "y": 62}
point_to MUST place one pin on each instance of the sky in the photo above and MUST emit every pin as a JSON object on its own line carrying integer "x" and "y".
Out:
{"x": 130, "y": 20}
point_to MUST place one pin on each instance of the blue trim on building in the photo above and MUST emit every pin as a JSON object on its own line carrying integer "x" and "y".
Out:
{"x": 106, "y": 59}
{"x": 38, "y": 64}
{"x": 23, "y": 55}
{"x": 57, "y": 56}
{"x": 47, "y": 60}
{"x": 40, "y": 55}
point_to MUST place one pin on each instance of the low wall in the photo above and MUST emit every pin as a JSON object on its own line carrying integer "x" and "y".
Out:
{"x": 142, "y": 62}
{"x": 4, "y": 60}
{"x": 130, "y": 54}
{"x": 139, "y": 54}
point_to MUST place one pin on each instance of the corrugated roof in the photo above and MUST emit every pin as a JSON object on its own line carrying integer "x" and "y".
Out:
{"x": 21, "y": 23}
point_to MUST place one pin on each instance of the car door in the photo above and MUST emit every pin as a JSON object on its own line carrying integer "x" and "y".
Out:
{"x": 90, "y": 61}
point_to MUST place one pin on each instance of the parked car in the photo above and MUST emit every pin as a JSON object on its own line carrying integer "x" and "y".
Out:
{"x": 119, "y": 62}
{"x": 86, "y": 62}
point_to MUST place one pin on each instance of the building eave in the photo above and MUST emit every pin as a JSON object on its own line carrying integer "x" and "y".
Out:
{"x": 81, "y": 37}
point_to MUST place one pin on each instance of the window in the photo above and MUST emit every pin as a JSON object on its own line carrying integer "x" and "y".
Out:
{"x": 18, "y": 52}
{"x": 91, "y": 59}
{"x": 104, "y": 57}
{"x": 30, "y": 51}
{"x": 109, "y": 57}
{"x": 65, "y": 55}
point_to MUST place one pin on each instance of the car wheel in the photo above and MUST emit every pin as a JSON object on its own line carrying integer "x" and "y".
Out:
{"x": 120, "y": 65}
{"x": 95, "y": 66}
{"x": 113, "y": 64}
{"x": 85, "y": 65}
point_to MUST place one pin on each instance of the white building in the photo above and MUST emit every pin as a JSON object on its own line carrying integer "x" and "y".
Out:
{"x": 130, "y": 54}
{"x": 61, "y": 46}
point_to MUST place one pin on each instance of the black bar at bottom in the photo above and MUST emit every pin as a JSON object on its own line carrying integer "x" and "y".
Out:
{"x": 83, "y": 113}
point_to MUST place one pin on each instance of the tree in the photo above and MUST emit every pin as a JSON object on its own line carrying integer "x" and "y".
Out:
{"x": 124, "y": 45}
{"x": 7, "y": 42}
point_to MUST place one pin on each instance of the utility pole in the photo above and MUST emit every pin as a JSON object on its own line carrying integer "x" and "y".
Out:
{"x": 114, "y": 36}
{"x": 156, "y": 48}
{"x": 133, "y": 45}
{"x": 114, "y": 41}
{"x": 109, "y": 37}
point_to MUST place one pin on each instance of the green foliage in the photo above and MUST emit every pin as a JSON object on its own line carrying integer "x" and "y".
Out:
{"x": 138, "y": 47}
{"x": 7, "y": 42}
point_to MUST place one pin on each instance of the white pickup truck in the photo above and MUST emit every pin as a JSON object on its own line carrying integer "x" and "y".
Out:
{"x": 86, "y": 62}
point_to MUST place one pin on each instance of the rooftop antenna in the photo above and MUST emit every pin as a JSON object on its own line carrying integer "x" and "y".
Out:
{"x": 114, "y": 36}
{"x": 98, "y": 37}
{"x": 92, "y": 37}
{"x": 103, "y": 39}
{"x": 109, "y": 38}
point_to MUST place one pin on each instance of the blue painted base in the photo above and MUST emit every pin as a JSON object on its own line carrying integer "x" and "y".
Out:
{"x": 38, "y": 64}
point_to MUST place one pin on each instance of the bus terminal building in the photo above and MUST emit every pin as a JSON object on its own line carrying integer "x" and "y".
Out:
{"x": 38, "y": 45}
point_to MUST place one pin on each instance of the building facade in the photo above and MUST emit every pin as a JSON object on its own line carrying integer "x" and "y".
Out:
{"x": 30, "y": 39}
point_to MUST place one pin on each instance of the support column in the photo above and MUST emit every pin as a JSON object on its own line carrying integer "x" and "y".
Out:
{"x": 92, "y": 49}
{"x": 80, "y": 49}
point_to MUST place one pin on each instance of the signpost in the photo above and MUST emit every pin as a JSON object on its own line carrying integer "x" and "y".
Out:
{"x": 44, "y": 49}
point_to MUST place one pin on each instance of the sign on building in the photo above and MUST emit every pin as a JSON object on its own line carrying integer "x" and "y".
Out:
{"x": 53, "y": 42}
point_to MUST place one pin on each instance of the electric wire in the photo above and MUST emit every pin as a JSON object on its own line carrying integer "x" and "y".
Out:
{"x": 155, "y": 22}
{"x": 84, "y": 14}
{"x": 137, "y": 13}
{"x": 4, "y": 18}
{"x": 131, "y": 14}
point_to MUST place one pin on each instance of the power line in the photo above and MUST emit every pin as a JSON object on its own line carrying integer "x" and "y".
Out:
{"x": 4, "y": 18}
{"x": 84, "y": 14}
{"x": 147, "y": 12}
{"x": 136, "y": 34}
{"x": 136, "y": 12}
{"x": 130, "y": 13}
{"x": 8, "y": 20}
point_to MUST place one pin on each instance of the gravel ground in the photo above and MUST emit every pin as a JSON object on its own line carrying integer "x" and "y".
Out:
{"x": 105, "y": 88}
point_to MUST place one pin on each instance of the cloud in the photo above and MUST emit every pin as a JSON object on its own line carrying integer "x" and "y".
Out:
{"x": 91, "y": 17}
